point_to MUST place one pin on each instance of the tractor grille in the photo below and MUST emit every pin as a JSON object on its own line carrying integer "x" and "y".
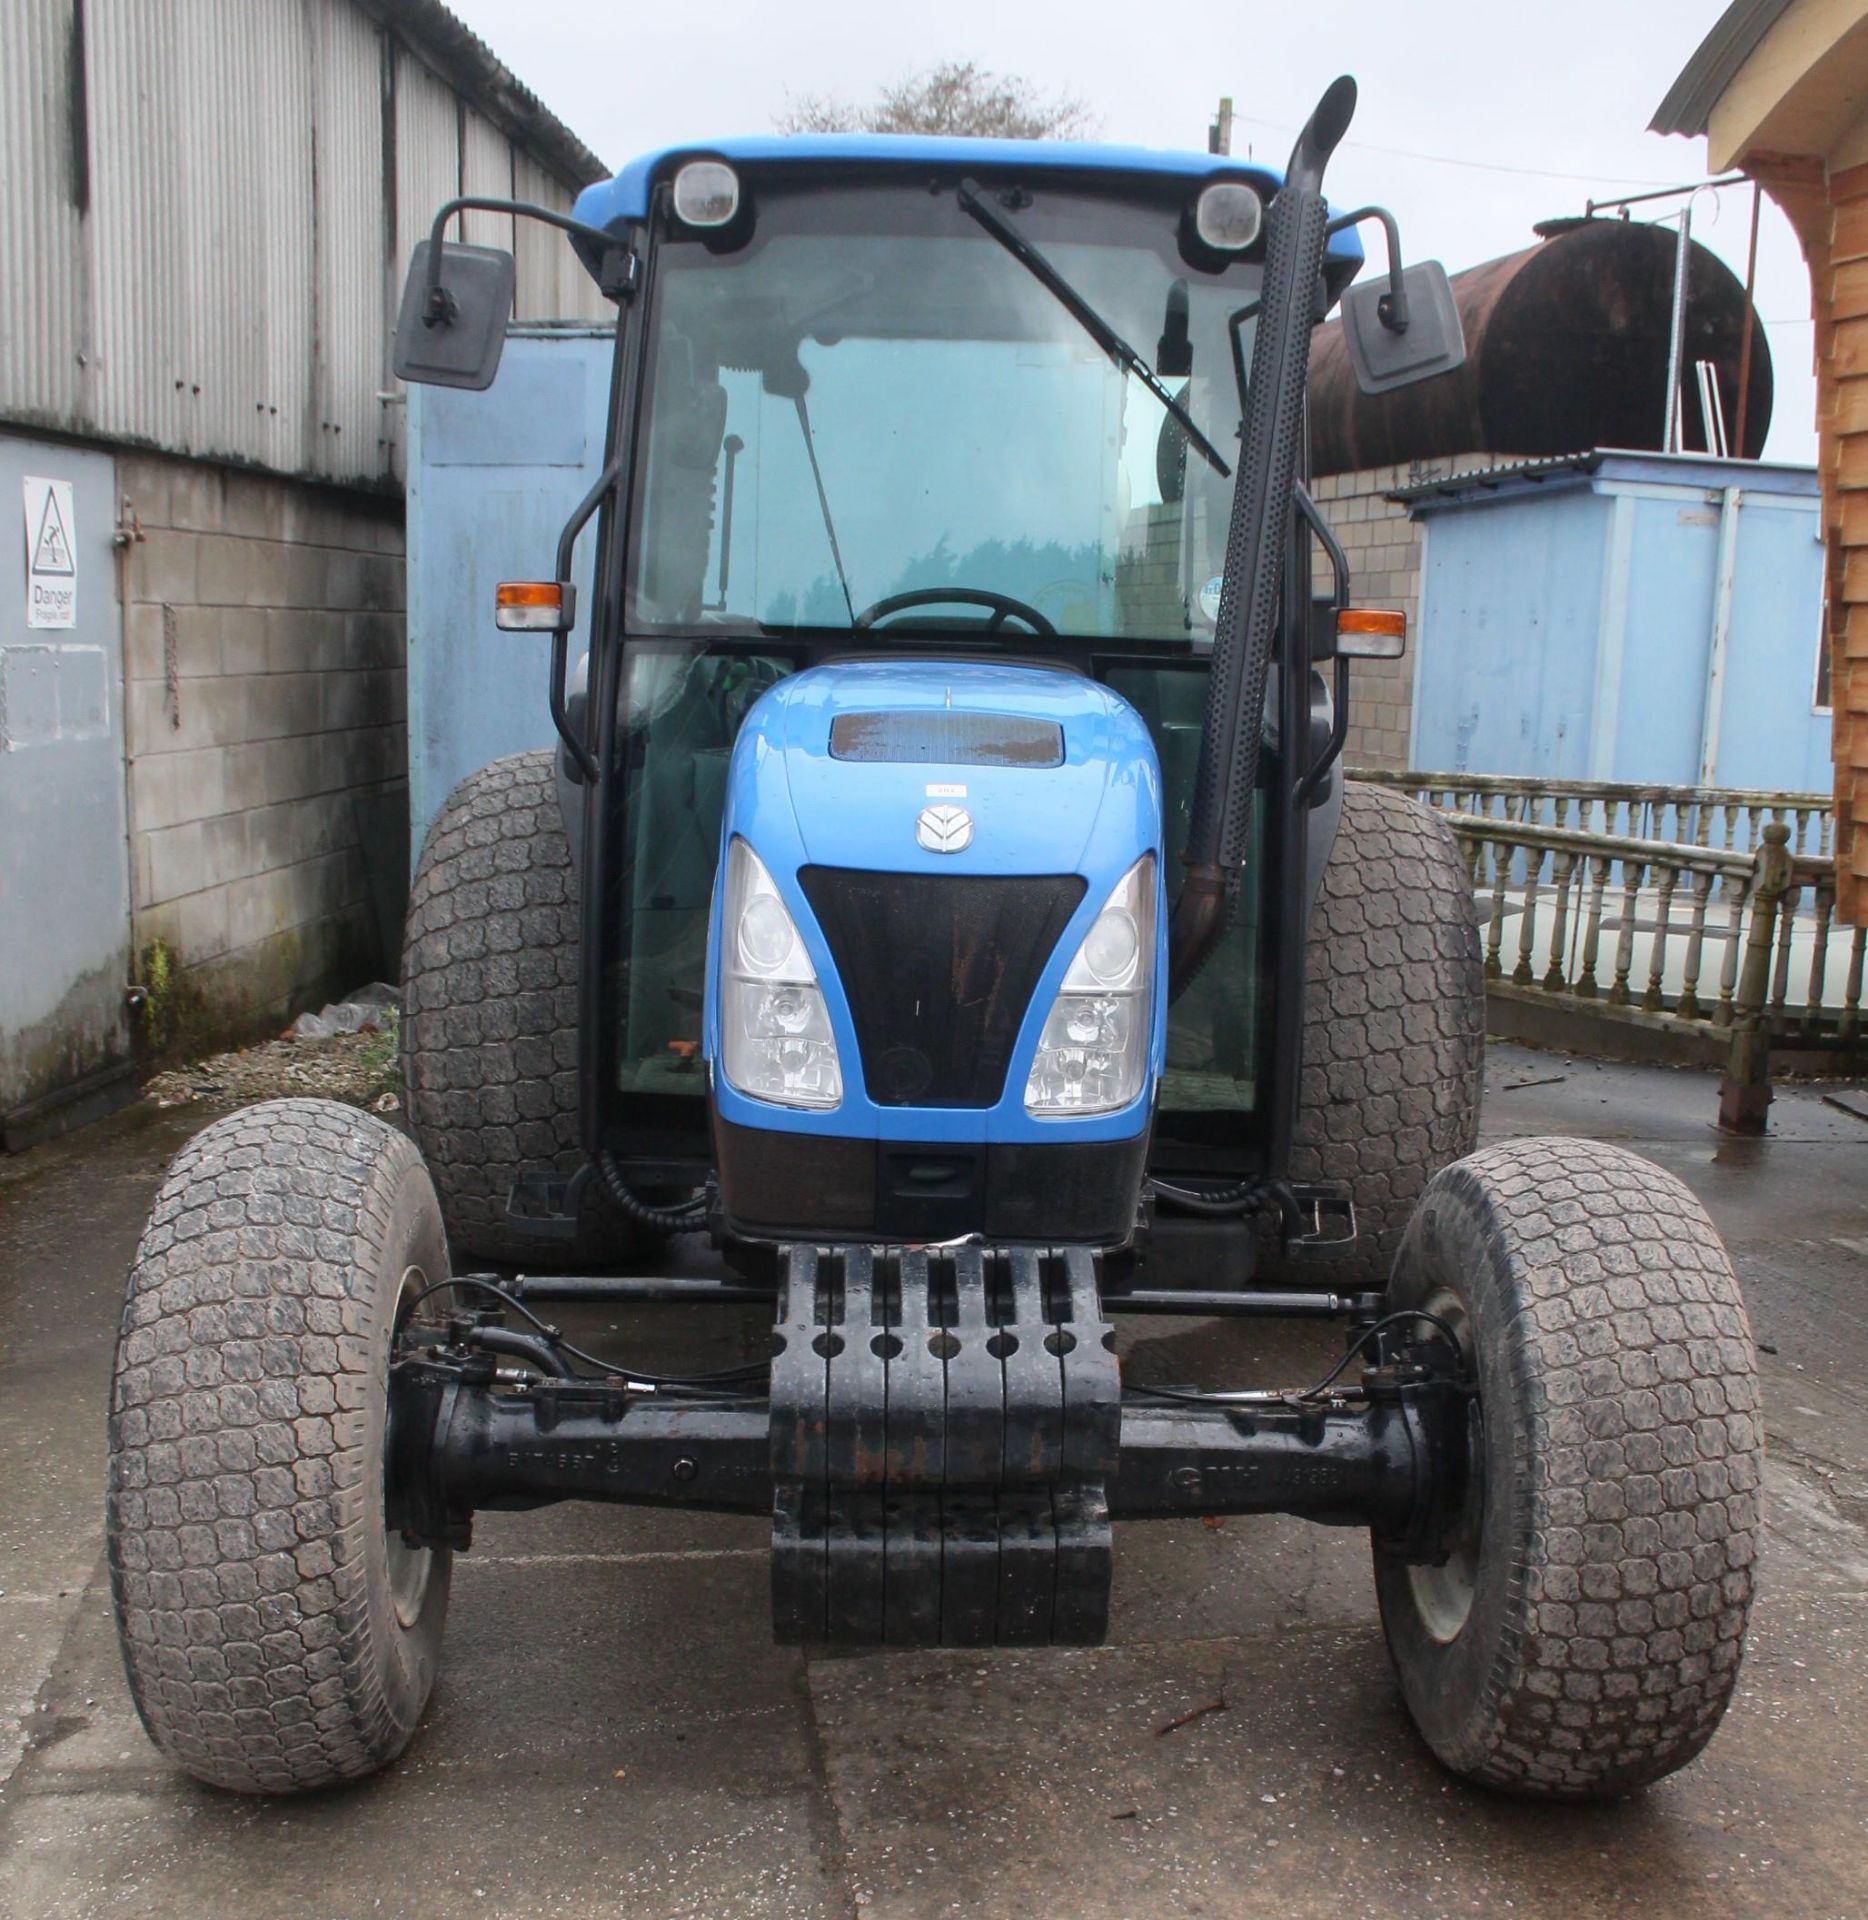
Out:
{"x": 938, "y": 970}
{"x": 948, "y": 738}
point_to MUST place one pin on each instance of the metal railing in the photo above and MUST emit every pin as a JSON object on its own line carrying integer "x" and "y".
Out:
{"x": 1719, "y": 933}
{"x": 1732, "y": 818}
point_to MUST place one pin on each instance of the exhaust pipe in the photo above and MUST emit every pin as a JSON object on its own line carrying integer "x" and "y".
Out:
{"x": 1259, "y": 537}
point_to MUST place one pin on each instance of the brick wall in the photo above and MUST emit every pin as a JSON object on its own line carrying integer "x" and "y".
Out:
{"x": 264, "y": 666}
{"x": 1830, "y": 214}
{"x": 1383, "y": 547}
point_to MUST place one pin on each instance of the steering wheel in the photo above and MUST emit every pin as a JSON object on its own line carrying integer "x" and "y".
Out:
{"x": 1003, "y": 606}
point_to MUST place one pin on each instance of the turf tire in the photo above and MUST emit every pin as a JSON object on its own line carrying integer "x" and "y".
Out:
{"x": 1394, "y": 1024}
{"x": 489, "y": 1017}
{"x": 275, "y": 1638}
{"x": 1609, "y": 1582}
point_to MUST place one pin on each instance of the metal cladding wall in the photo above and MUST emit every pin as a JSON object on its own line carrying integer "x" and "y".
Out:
{"x": 209, "y": 208}
{"x": 44, "y": 283}
{"x": 1566, "y": 350}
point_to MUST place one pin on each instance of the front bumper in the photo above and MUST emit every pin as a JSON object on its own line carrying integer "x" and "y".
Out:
{"x": 795, "y": 1186}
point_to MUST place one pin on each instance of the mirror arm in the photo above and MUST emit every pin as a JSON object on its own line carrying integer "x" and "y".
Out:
{"x": 1391, "y": 310}
{"x": 1312, "y": 517}
{"x": 1235, "y": 334}
{"x": 1315, "y": 776}
{"x": 618, "y": 278}
{"x": 561, "y": 639}
{"x": 1305, "y": 795}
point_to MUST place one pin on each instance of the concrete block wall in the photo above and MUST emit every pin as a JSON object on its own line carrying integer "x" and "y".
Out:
{"x": 1383, "y": 547}
{"x": 265, "y": 734}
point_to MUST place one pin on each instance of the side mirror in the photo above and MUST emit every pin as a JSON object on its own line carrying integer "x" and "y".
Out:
{"x": 1174, "y": 354}
{"x": 1429, "y": 339}
{"x": 452, "y": 327}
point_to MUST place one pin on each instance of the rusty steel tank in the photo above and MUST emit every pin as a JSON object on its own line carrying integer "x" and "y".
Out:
{"x": 1566, "y": 350}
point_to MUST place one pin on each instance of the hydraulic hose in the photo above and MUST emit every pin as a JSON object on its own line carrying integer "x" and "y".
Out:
{"x": 688, "y": 1217}
{"x": 1252, "y": 585}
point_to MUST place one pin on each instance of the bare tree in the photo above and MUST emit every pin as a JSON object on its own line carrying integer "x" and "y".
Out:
{"x": 956, "y": 97}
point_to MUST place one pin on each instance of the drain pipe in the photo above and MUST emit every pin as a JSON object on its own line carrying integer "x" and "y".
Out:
{"x": 1720, "y": 640}
{"x": 1251, "y": 589}
{"x": 1671, "y": 434}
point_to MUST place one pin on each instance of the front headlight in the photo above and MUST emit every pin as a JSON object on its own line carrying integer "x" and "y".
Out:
{"x": 775, "y": 1038}
{"x": 1092, "y": 1056}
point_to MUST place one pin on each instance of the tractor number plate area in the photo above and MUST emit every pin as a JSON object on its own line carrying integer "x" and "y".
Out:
{"x": 944, "y": 1425}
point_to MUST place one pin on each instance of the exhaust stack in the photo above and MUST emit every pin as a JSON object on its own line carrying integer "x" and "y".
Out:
{"x": 1253, "y": 580}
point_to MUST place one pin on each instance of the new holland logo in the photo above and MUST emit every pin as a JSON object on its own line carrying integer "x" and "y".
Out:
{"x": 944, "y": 829}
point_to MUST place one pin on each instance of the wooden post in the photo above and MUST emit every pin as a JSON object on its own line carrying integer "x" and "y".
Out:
{"x": 1554, "y": 975}
{"x": 1745, "y": 1092}
{"x": 1598, "y": 869}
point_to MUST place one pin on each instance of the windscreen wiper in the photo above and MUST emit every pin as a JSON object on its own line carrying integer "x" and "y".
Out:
{"x": 1086, "y": 316}
{"x": 823, "y": 500}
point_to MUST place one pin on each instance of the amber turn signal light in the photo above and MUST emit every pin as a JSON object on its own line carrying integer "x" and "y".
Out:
{"x": 534, "y": 606}
{"x": 1371, "y": 633}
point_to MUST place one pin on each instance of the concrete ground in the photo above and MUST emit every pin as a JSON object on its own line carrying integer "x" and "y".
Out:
{"x": 614, "y": 1732}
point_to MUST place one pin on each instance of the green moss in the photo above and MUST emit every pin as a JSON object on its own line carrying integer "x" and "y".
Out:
{"x": 382, "y": 1055}
{"x": 168, "y": 1005}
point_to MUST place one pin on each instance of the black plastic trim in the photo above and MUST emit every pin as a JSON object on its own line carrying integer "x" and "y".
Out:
{"x": 808, "y": 1186}
{"x": 939, "y": 970}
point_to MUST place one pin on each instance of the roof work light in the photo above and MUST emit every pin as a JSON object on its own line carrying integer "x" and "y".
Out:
{"x": 1227, "y": 216}
{"x": 706, "y": 194}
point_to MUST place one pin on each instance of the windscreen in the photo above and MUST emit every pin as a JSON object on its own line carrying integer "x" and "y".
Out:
{"x": 873, "y": 397}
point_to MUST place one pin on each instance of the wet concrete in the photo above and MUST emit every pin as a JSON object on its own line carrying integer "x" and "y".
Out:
{"x": 614, "y": 1731}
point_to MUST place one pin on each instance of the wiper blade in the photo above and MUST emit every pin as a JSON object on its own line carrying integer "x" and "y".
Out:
{"x": 1086, "y": 316}
{"x": 823, "y": 501}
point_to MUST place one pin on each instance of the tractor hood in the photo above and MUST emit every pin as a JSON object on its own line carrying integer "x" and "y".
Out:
{"x": 943, "y": 834}
{"x": 946, "y": 766}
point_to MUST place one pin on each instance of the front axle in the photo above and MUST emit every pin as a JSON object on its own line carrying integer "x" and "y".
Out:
{"x": 943, "y": 1444}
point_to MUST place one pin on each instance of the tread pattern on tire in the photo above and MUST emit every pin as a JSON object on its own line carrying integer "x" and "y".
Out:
{"x": 489, "y": 1005}
{"x": 239, "y": 1511}
{"x": 1394, "y": 1022}
{"x": 1632, "y": 1575}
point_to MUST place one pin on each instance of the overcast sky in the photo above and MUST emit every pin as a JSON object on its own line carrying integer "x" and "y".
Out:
{"x": 1477, "y": 117}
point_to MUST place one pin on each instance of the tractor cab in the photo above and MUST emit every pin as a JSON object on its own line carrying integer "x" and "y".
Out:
{"x": 882, "y": 441}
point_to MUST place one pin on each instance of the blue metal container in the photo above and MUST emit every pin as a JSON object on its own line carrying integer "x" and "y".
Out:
{"x": 493, "y": 477}
{"x": 1623, "y": 616}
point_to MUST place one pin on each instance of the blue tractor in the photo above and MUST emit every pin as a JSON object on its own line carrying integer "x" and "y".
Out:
{"x": 943, "y": 924}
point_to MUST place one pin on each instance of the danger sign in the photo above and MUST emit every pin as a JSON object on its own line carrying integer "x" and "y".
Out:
{"x": 51, "y": 557}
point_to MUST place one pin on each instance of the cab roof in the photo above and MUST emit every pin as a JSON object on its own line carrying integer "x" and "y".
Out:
{"x": 610, "y": 203}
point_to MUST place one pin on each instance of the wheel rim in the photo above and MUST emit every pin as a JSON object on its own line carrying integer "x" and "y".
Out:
{"x": 410, "y": 1568}
{"x": 1443, "y": 1595}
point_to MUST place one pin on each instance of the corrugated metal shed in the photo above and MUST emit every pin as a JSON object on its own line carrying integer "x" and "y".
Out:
{"x": 210, "y": 206}
{"x": 42, "y": 252}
